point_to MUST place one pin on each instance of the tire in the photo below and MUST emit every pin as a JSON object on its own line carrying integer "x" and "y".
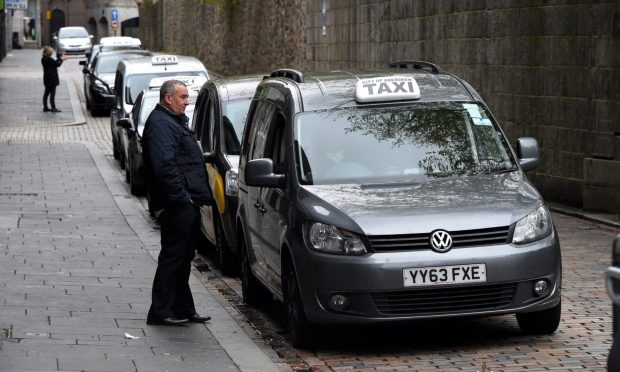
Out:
{"x": 95, "y": 111}
{"x": 117, "y": 154}
{"x": 543, "y": 322}
{"x": 121, "y": 158}
{"x": 300, "y": 329}
{"x": 135, "y": 188}
{"x": 253, "y": 291}
{"x": 127, "y": 170}
{"x": 226, "y": 259}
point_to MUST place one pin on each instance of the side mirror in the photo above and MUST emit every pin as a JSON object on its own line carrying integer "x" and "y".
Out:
{"x": 90, "y": 36}
{"x": 55, "y": 38}
{"x": 528, "y": 153}
{"x": 85, "y": 71}
{"x": 209, "y": 157}
{"x": 259, "y": 173}
{"x": 82, "y": 63}
{"x": 124, "y": 123}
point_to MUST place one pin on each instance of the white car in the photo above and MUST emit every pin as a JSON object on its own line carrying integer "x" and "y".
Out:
{"x": 73, "y": 40}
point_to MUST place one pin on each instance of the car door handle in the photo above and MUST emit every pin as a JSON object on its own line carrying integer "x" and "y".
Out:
{"x": 260, "y": 208}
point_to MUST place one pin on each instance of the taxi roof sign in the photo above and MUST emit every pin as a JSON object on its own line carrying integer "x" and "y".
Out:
{"x": 164, "y": 59}
{"x": 387, "y": 88}
{"x": 190, "y": 81}
{"x": 112, "y": 41}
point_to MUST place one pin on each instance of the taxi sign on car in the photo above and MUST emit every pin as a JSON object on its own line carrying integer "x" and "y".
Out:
{"x": 166, "y": 59}
{"x": 190, "y": 81}
{"x": 117, "y": 41}
{"x": 389, "y": 88}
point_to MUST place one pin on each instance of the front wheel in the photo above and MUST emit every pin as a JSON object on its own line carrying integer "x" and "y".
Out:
{"x": 117, "y": 154}
{"x": 543, "y": 322}
{"x": 300, "y": 329}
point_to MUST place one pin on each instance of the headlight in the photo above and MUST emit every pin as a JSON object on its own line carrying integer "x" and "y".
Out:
{"x": 534, "y": 226}
{"x": 99, "y": 87}
{"x": 330, "y": 239}
{"x": 231, "y": 182}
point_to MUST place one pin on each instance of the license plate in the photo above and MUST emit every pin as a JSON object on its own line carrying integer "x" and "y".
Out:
{"x": 439, "y": 275}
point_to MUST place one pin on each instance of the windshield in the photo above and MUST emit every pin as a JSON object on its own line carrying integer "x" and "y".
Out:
{"x": 136, "y": 83}
{"x": 398, "y": 144}
{"x": 72, "y": 33}
{"x": 234, "y": 114}
{"x": 108, "y": 63}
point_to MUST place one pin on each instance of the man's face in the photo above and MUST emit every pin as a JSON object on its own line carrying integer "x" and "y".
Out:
{"x": 178, "y": 100}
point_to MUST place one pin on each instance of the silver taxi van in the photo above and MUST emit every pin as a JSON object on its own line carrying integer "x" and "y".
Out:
{"x": 390, "y": 195}
{"x": 132, "y": 76}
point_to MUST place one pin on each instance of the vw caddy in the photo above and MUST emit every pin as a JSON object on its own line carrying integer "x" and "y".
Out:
{"x": 391, "y": 195}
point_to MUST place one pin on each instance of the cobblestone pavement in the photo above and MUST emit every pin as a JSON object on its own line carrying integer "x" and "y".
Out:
{"x": 488, "y": 344}
{"x": 78, "y": 254}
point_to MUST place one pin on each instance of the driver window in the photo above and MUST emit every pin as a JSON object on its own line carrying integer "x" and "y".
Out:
{"x": 206, "y": 130}
{"x": 276, "y": 144}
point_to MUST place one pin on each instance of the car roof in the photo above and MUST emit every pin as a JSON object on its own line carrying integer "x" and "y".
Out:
{"x": 145, "y": 66}
{"x": 104, "y": 53}
{"x": 237, "y": 87}
{"x": 72, "y": 27}
{"x": 324, "y": 90}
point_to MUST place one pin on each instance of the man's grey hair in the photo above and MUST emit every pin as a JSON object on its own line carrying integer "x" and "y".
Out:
{"x": 169, "y": 87}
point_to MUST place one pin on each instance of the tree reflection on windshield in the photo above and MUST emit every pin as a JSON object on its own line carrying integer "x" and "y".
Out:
{"x": 399, "y": 144}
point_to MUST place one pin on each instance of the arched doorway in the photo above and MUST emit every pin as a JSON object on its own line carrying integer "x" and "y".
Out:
{"x": 57, "y": 21}
{"x": 102, "y": 29}
{"x": 92, "y": 29}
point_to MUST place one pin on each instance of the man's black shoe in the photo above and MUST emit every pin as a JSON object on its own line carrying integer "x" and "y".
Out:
{"x": 172, "y": 321}
{"x": 45, "y": 109}
{"x": 199, "y": 319}
{"x": 56, "y": 110}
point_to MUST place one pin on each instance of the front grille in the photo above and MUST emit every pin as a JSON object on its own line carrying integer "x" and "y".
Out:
{"x": 464, "y": 238}
{"x": 445, "y": 300}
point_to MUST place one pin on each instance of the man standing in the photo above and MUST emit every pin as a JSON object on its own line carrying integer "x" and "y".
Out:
{"x": 177, "y": 184}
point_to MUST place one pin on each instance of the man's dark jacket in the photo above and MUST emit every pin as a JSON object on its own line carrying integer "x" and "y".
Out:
{"x": 50, "y": 71}
{"x": 175, "y": 169}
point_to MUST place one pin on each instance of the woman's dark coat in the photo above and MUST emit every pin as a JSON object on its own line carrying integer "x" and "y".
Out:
{"x": 50, "y": 71}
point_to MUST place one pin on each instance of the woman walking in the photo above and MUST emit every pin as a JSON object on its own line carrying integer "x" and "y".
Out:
{"x": 50, "y": 77}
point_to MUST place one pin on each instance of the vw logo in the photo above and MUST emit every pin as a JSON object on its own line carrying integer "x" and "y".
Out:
{"x": 441, "y": 241}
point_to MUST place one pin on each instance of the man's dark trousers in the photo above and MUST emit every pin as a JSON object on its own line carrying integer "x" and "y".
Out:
{"x": 172, "y": 297}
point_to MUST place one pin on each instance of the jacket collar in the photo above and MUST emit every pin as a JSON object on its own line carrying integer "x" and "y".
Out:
{"x": 182, "y": 119}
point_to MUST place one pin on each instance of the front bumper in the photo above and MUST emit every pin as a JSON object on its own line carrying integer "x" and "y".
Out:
{"x": 373, "y": 284}
{"x": 74, "y": 49}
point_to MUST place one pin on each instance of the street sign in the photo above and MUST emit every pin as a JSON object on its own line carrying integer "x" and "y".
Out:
{"x": 114, "y": 14}
{"x": 114, "y": 24}
{"x": 16, "y": 4}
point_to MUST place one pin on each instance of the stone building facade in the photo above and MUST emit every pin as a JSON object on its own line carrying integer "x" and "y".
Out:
{"x": 548, "y": 69}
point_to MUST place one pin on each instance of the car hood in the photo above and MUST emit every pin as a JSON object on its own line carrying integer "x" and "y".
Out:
{"x": 455, "y": 203}
{"x": 108, "y": 77}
